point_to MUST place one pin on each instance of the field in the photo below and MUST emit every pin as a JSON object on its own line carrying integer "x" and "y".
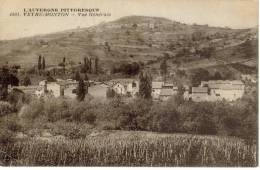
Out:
{"x": 124, "y": 148}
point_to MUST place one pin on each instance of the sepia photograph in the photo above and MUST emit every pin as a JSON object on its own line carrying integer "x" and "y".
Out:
{"x": 129, "y": 83}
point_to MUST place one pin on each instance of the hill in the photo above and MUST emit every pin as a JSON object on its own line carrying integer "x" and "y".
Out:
{"x": 134, "y": 39}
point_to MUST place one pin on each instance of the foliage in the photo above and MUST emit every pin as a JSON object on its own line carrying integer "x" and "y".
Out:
{"x": 199, "y": 75}
{"x": 130, "y": 69}
{"x": 145, "y": 85}
{"x": 39, "y": 62}
{"x": 5, "y": 108}
{"x": 43, "y": 63}
{"x": 110, "y": 93}
{"x": 81, "y": 90}
{"x": 163, "y": 67}
{"x": 27, "y": 81}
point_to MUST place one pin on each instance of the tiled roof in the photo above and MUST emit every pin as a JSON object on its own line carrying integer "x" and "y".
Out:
{"x": 166, "y": 92}
{"x": 199, "y": 90}
{"x": 122, "y": 81}
{"x": 225, "y": 84}
{"x": 157, "y": 85}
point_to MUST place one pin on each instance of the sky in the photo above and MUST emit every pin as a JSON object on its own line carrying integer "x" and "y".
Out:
{"x": 230, "y": 13}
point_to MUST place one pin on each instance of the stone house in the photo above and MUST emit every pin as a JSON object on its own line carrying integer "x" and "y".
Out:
{"x": 156, "y": 89}
{"x": 215, "y": 90}
{"x": 125, "y": 87}
{"x": 163, "y": 91}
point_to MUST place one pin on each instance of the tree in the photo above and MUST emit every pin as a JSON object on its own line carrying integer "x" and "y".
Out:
{"x": 77, "y": 76}
{"x": 217, "y": 76}
{"x": 43, "y": 63}
{"x": 86, "y": 79}
{"x": 145, "y": 85}
{"x": 199, "y": 75}
{"x": 40, "y": 62}
{"x": 85, "y": 66}
{"x": 110, "y": 93}
{"x": 163, "y": 68}
{"x": 207, "y": 52}
{"x": 27, "y": 81}
{"x": 6, "y": 78}
{"x": 96, "y": 65}
{"x": 81, "y": 91}
{"x": 90, "y": 65}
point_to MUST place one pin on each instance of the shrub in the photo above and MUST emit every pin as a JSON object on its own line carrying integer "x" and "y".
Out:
{"x": 5, "y": 108}
{"x": 32, "y": 110}
{"x": 88, "y": 117}
{"x": 110, "y": 93}
{"x": 6, "y": 136}
{"x": 13, "y": 126}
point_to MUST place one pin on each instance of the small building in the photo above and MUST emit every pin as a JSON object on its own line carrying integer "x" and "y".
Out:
{"x": 125, "y": 87}
{"x": 165, "y": 94}
{"x": 163, "y": 91}
{"x": 215, "y": 90}
{"x": 98, "y": 91}
{"x": 66, "y": 88}
{"x": 249, "y": 77}
{"x": 199, "y": 94}
{"x": 156, "y": 89}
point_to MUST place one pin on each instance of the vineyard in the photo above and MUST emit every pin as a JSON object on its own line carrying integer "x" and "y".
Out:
{"x": 122, "y": 148}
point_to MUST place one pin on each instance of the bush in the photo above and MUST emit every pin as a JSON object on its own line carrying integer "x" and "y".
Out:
{"x": 13, "y": 126}
{"x": 88, "y": 117}
{"x": 32, "y": 110}
{"x": 110, "y": 93}
{"x": 5, "y": 108}
{"x": 6, "y": 136}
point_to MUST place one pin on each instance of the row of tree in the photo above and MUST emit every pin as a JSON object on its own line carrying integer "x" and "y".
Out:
{"x": 130, "y": 69}
{"x": 90, "y": 65}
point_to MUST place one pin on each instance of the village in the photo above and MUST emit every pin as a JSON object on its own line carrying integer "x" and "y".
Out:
{"x": 212, "y": 90}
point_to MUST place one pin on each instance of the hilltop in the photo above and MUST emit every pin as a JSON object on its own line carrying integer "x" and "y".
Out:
{"x": 136, "y": 39}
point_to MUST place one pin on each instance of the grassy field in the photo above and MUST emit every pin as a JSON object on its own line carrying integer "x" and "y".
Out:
{"x": 124, "y": 148}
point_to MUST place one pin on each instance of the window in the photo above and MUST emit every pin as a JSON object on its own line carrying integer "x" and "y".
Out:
{"x": 134, "y": 84}
{"x": 217, "y": 94}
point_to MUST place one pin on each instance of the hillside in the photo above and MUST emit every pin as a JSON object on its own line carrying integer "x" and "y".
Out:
{"x": 134, "y": 38}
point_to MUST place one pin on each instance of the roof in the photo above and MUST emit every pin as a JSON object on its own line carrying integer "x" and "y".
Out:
{"x": 168, "y": 84}
{"x": 223, "y": 82}
{"x": 199, "y": 90}
{"x": 166, "y": 92}
{"x": 175, "y": 88}
{"x": 157, "y": 84}
{"x": 226, "y": 87}
{"x": 122, "y": 81}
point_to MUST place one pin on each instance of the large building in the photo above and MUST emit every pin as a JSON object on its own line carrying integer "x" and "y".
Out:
{"x": 163, "y": 91}
{"x": 125, "y": 87}
{"x": 59, "y": 88}
{"x": 215, "y": 90}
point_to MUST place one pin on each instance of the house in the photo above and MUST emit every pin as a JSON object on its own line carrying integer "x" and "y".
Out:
{"x": 65, "y": 88}
{"x": 229, "y": 90}
{"x": 125, "y": 87}
{"x": 163, "y": 91}
{"x": 27, "y": 89}
{"x": 248, "y": 77}
{"x": 98, "y": 91}
{"x": 165, "y": 94}
{"x": 197, "y": 94}
{"x": 215, "y": 90}
{"x": 156, "y": 89}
